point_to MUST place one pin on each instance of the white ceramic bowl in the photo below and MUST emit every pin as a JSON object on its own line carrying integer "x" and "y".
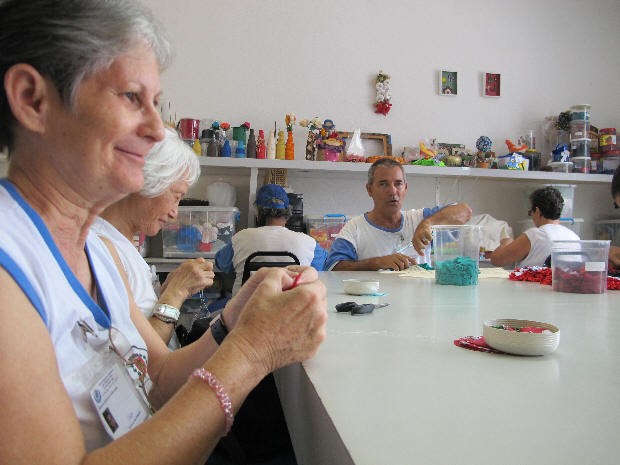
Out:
{"x": 514, "y": 342}
{"x": 360, "y": 286}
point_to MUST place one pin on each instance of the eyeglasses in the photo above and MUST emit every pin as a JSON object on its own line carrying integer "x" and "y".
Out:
{"x": 120, "y": 345}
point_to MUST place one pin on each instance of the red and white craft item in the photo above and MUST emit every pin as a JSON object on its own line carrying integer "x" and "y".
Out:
{"x": 382, "y": 101}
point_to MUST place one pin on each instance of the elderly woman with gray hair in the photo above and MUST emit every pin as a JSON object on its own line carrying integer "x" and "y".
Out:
{"x": 84, "y": 377}
{"x": 171, "y": 168}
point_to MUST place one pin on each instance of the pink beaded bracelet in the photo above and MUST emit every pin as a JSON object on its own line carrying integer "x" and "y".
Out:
{"x": 220, "y": 393}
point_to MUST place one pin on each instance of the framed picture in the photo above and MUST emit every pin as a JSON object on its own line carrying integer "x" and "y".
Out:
{"x": 448, "y": 82}
{"x": 491, "y": 84}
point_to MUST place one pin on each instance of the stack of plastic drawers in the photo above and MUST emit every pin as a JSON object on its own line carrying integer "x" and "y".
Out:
{"x": 580, "y": 142}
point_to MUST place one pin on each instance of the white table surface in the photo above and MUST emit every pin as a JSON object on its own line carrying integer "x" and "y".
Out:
{"x": 391, "y": 387}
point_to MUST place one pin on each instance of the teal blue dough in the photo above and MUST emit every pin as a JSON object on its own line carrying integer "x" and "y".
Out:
{"x": 462, "y": 271}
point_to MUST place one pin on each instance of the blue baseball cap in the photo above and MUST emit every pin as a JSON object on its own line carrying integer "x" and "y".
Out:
{"x": 272, "y": 196}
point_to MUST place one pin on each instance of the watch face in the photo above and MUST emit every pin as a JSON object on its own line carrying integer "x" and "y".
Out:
{"x": 167, "y": 312}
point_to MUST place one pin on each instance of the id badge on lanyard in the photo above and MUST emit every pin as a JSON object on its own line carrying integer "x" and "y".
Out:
{"x": 119, "y": 383}
{"x": 119, "y": 404}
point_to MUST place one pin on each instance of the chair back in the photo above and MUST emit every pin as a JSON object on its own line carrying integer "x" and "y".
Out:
{"x": 253, "y": 262}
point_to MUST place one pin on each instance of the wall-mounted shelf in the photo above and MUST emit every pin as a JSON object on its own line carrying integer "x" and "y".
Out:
{"x": 436, "y": 171}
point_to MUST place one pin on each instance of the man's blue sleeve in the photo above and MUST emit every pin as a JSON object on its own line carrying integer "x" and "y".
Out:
{"x": 426, "y": 212}
{"x": 341, "y": 250}
{"x": 320, "y": 254}
{"x": 223, "y": 259}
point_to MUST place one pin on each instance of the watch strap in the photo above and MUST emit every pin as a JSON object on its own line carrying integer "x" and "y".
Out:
{"x": 166, "y": 313}
{"x": 218, "y": 329}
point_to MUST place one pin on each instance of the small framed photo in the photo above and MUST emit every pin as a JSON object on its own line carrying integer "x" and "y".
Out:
{"x": 448, "y": 82}
{"x": 491, "y": 84}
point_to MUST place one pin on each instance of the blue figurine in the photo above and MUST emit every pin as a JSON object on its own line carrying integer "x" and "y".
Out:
{"x": 561, "y": 153}
{"x": 225, "y": 152}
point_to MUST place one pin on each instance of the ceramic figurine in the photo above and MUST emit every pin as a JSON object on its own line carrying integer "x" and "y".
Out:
{"x": 226, "y": 152}
{"x": 250, "y": 151}
{"x": 261, "y": 149}
{"x": 280, "y": 146}
{"x": 271, "y": 145}
{"x": 289, "y": 151}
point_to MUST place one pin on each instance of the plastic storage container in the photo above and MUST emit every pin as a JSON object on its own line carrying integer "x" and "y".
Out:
{"x": 607, "y": 140}
{"x": 561, "y": 166}
{"x": 574, "y": 224}
{"x": 199, "y": 231}
{"x": 324, "y": 229}
{"x": 579, "y": 129}
{"x": 580, "y": 148}
{"x": 456, "y": 254}
{"x": 609, "y": 161}
{"x": 579, "y": 266}
{"x": 580, "y": 112}
{"x": 581, "y": 164}
{"x": 608, "y": 230}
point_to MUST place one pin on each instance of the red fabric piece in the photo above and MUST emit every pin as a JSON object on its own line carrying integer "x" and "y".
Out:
{"x": 578, "y": 282}
{"x": 475, "y": 343}
{"x": 531, "y": 329}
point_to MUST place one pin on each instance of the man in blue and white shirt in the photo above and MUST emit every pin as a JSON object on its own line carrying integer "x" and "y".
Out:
{"x": 388, "y": 237}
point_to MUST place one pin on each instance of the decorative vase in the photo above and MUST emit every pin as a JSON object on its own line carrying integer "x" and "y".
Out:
{"x": 261, "y": 149}
{"x": 289, "y": 150}
{"x": 280, "y": 147}
{"x": 250, "y": 150}
{"x": 271, "y": 145}
{"x": 310, "y": 146}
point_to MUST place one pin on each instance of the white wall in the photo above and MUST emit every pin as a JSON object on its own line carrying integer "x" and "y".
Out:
{"x": 258, "y": 60}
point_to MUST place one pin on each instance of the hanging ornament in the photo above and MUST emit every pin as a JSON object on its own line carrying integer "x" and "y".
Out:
{"x": 382, "y": 101}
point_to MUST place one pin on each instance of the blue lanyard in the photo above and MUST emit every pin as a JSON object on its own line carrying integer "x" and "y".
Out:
{"x": 99, "y": 311}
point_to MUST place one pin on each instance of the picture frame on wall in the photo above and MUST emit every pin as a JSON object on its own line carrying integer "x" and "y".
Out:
{"x": 448, "y": 83}
{"x": 491, "y": 84}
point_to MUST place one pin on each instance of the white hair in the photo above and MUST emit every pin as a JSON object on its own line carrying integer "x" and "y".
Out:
{"x": 169, "y": 161}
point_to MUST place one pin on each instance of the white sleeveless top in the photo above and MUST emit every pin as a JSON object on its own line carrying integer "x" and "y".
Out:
{"x": 29, "y": 254}
{"x": 269, "y": 239}
{"x": 541, "y": 242}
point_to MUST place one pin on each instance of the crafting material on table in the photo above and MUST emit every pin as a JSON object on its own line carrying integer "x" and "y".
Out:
{"x": 417, "y": 271}
{"x": 460, "y": 271}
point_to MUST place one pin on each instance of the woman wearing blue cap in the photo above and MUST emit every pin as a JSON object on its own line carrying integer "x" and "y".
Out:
{"x": 271, "y": 236}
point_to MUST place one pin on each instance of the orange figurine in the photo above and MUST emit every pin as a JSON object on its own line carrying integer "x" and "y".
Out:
{"x": 512, "y": 148}
{"x": 289, "y": 151}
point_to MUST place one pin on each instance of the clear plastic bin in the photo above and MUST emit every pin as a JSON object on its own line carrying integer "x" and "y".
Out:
{"x": 324, "y": 229}
{"x": 456, "y": 254}
{"x": 199, "y": 231}
{"x": 579, "y": 266}
{"x": 608, "y": 230}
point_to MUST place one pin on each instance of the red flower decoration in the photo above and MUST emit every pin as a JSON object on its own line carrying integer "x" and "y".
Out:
{"x": 383, "y": 108}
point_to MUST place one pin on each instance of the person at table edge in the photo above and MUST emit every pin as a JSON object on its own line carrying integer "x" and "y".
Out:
{"x": 379, "y": 238}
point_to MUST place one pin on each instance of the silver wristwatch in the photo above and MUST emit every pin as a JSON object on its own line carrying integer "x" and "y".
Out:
{"x": 166, "y": 313}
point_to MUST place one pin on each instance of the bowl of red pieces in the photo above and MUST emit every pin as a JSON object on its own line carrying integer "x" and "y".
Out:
{"x": 521, "y": 337}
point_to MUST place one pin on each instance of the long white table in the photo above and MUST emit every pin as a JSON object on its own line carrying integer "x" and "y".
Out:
{"x": 391, "y": 388}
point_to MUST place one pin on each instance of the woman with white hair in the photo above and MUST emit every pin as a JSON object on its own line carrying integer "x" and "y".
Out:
{"x": 171, "y": 168}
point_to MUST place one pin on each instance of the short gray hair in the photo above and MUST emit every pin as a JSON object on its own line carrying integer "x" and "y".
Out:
{"x": 68, "y": 41}
{"x": 170, "y": 160}
{"x": 388, "y": 163}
